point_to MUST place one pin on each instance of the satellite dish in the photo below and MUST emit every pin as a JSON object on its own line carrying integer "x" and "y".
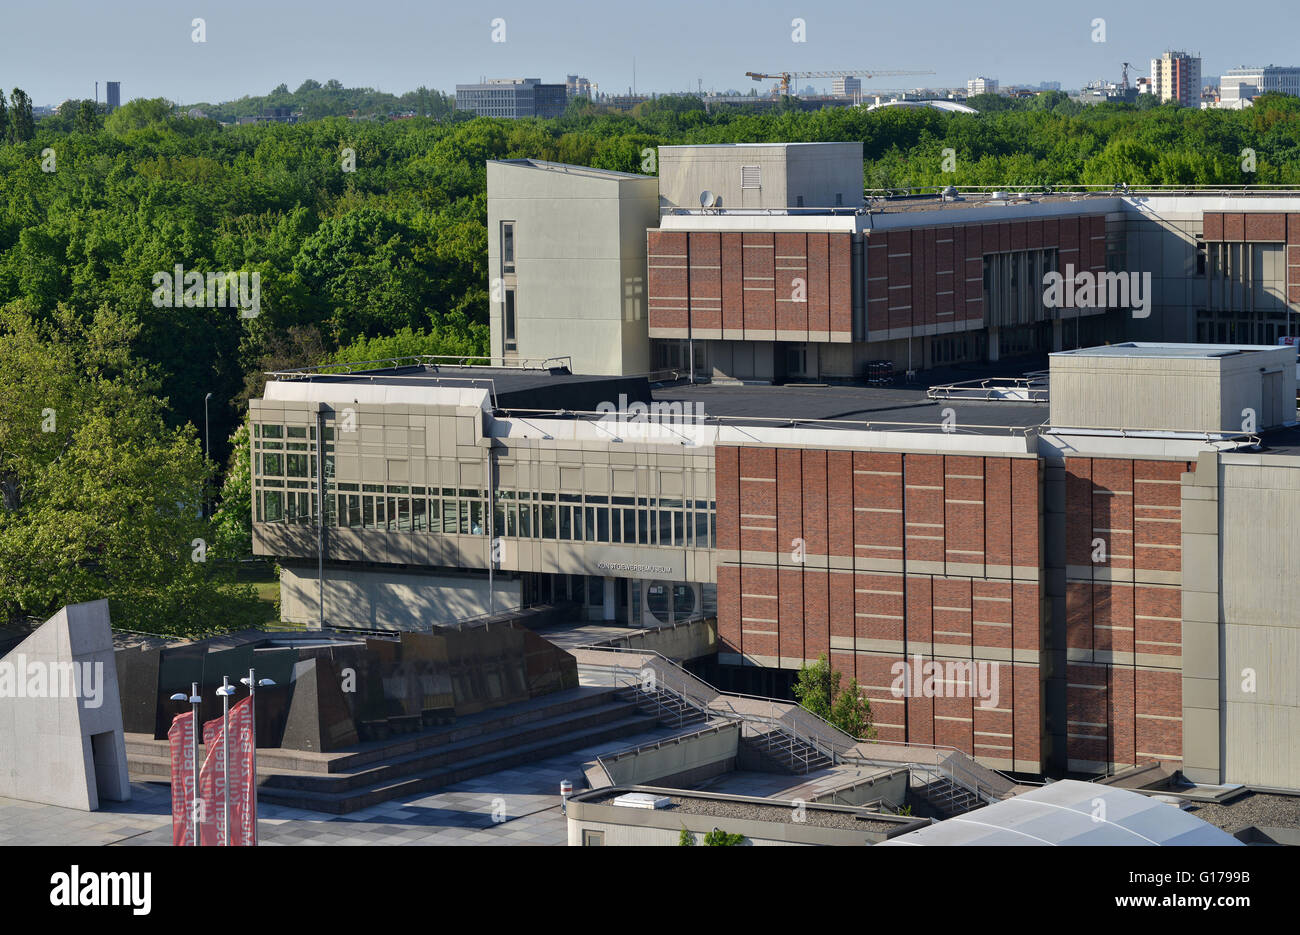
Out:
{"x": 708, "y": 199}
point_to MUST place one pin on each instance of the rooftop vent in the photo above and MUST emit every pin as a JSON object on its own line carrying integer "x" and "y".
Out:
{"x": 642, "y": 800}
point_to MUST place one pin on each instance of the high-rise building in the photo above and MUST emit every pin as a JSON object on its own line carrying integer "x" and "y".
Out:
{"x": 578, "y": 86}
{"x": 981, "y": 85}
{"x": 847, "y": 86}
{"x": 1241, "y": 85}
{"x": 114, "y": 95}
{"x": 1176, "y": 76}
{"x": 512, "y": 97}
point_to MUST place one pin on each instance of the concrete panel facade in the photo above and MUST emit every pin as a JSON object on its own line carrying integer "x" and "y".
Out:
{"x": 61, "y": 740}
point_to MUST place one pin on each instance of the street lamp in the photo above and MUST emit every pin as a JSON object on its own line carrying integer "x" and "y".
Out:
{"x": 195, "y": 700}
{"x": 207, "y": 445}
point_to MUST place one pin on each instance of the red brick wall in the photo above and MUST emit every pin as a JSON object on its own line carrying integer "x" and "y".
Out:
{"x": 971, "y": 516}
{"x": 934, "y": 275}
{"x": 1125, "y": 607}
{"x": 747, "y": 286}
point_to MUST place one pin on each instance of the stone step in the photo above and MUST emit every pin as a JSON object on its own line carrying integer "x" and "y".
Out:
{"x": 139, "y": 746}
{"x": 427, "y": 781}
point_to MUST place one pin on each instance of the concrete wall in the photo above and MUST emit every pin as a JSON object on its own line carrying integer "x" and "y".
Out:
{"x": 389, "y": 599}
{"x": 62, "y": 744}
{"x": 691, "y": 758}
{"x": 816, "y": 171}
{"x": 580, "y": 263}
{"x": 1173, "y": 393}
{"x": 1259, "y": 549}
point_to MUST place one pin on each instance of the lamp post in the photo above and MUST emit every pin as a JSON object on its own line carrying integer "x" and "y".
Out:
{"x": 225, "y": 691}
{"x": 253, "y": 684}
{"x": 207, "y": 444}
{"x": 194, "y": 699}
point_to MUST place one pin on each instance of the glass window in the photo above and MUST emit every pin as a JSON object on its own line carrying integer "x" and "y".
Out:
{"x": 566, "y": 522}
{"x": 507, "y": 246}
{"x": 297, "y": 431}
{"x": 368, "y": 512}
{"x": 273, "y": 503}
{"x": 273, "y": 431}
{"x": 296, "y": 465}
{"x": 510, "y": 342}
{"x": 548, "y": 520}
{"x": 477, "y": 526}
{"x": 273, "y": 464}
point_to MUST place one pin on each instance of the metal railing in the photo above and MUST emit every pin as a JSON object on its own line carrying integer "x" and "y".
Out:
{"x": 1010, "y": 389}
{"x": 433, "y": 361}
{"x": 788, "y": 716}
{"x": 670, "y": 420}
{"x": 1210, "y": 436}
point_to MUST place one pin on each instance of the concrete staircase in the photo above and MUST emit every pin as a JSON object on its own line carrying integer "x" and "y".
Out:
{"x": 419, "y": 763}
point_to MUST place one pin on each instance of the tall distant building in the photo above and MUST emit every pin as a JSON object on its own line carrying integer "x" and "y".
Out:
{"x": 1176, "y": 76}
{"x": 578, "y": 86}
{"x": 1241, "y": 85}
{"x": 847, "y": 87}
{"x": 512, "y": 97}
{"x": 981, "y": 85}
{"x": 114, "y": 95}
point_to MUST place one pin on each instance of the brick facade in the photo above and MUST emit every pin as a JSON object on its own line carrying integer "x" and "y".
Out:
{"x": 1260, "y": 227}
{"x": 1123, "y": 534}
{"x": 876, "y": 558}
{"x": 752, "y": 286}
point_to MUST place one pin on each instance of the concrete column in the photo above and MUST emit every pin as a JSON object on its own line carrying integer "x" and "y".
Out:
{"x": 993, "y": 344}
{"x": 610, "y": 590}
{"x": 1201, "y": 637}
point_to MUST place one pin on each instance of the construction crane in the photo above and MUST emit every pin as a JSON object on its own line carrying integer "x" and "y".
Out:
{"x": 783, "y": 77}
{"x": 1124, "y": 78}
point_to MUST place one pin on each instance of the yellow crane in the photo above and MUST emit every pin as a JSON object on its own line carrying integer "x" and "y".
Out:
{"x": 784, "y": 76}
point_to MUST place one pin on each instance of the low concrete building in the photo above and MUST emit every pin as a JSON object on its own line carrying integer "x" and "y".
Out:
{"x": 1175, "y": 387}
{"x": 61, "y": 740}
{"x": 653, "y": 816}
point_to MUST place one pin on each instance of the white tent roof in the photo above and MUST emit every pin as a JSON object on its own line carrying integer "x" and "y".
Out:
{"x": 1073, "y": 813}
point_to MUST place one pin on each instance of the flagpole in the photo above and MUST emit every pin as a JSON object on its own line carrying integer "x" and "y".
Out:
{"x": 225, "y": 691}
{"x": 252, "y": 684}
{"x": 195, "y": 700}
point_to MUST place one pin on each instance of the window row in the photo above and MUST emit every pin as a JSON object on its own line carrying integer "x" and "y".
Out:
{"x": 624, "y": 520}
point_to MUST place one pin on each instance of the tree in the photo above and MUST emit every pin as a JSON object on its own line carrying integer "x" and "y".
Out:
{"x": 720, "y": 838}
{"x": 233, "y": 522}
{"x": 22, "y": 127}
{"x": 138, "y": 114}
{"x": 100, "y": 497}
{"x": 817, "y": 688}
{"x": 4, "y": 118}
{"x": 86, "y": 120}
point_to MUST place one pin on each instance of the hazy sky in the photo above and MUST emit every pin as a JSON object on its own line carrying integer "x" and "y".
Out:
{"x": 56, "y": 50}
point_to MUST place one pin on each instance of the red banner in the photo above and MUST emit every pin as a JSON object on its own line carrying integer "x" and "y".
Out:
{"x": 213, "y": 784}
{"x": 181, "y": 738}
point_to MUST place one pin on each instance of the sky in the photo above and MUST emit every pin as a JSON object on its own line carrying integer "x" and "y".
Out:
{"x": 57, "y": 50}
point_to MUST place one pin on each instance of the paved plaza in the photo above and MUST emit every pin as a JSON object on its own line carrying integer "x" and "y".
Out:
{"x": 525, "y": 800}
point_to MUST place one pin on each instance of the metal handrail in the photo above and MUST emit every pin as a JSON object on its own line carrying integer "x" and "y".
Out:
{"x": 417, "y": 360}
{"x": 819, "y": 732}
{"x": 989, "y": 387}
{"x": 778, "y": 421}
{"x": 1207, "y": 435}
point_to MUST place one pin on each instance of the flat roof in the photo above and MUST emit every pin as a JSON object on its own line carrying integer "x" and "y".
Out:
{"x": 853, "y": 404}
{"x": 756, "y": 145}
{"x": 564, "y": 168}
{"x": 1143, "y": 349}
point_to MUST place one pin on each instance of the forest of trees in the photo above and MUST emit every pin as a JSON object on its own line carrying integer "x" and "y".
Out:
{"x": 370, "y": 237}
